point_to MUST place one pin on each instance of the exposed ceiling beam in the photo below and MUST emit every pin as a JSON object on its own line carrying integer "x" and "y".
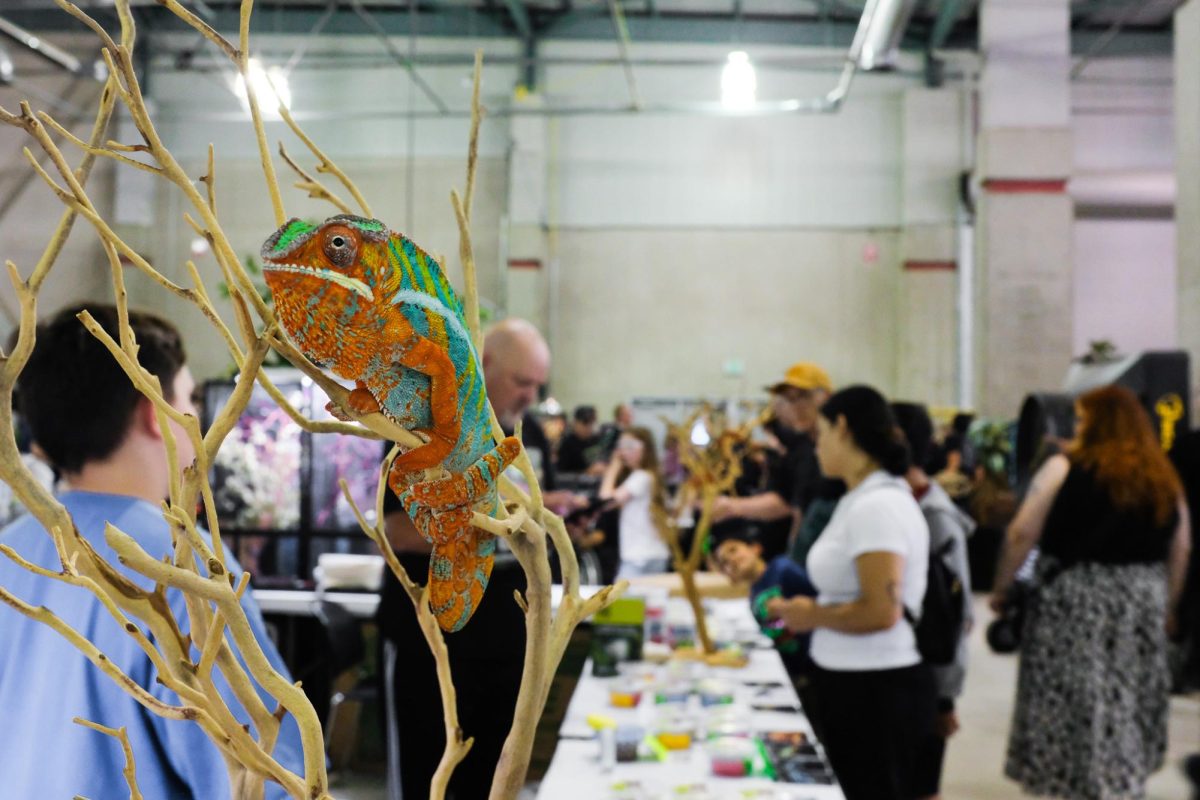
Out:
{"x": 520, "y": 18}
{"x": 385, "y": 39}
{"x": 592, "y": 23}
{"x": 946, "y": 18}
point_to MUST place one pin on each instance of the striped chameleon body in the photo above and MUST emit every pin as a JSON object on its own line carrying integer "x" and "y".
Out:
{"x": 372, "y": 307}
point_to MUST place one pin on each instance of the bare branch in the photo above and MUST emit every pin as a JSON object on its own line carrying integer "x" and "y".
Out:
{"x": 326, "y": 164}
{"x": 120, "y": 735}
{"x": 314, "y": 187}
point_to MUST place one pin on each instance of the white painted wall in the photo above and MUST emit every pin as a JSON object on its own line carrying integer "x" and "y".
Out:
{"x": 657, "y": 312}
{"x": 1122, "y": 115}
{"x": 1125, "y": 285}
{"x": 82, "y": 272}
{"x": 1125, "y": 269}
{"x": 794, "y": 199}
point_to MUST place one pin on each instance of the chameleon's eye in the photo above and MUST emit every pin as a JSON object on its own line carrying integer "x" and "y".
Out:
{"x": 340, "y": 249}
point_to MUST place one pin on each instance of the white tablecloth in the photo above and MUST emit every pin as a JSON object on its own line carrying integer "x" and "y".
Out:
{"x": 299, "y": 603}
{"x": 575, "y": 772}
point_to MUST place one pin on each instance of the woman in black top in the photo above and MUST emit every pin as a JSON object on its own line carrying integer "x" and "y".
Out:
{"x": 1092, "y": 692}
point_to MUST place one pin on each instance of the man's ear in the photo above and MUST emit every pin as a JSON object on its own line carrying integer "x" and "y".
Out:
{"x": 145, "y": 420}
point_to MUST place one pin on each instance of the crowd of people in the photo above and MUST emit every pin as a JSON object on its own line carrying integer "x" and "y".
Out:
{"x": 851, "y": 525}
{"x": 837, "y": 520}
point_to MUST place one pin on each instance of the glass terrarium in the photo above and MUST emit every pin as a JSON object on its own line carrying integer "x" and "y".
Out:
{"x": 276, "y": 486}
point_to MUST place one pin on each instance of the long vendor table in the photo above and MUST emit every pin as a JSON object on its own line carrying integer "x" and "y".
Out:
{"x": 763, "y": 698}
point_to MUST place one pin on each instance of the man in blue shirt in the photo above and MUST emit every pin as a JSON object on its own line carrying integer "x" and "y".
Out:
{"x": 105, "y": 439}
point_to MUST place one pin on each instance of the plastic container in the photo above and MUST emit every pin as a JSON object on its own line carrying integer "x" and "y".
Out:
{"x": 731, "y": 757}
{"x": 624, "y": 694}
{"x": 656, "y": 614}
{"x": 728, "y": 721}
{"x": 715, "y": 692}
{"x": 675, "y": 730}
{"x": 628, "y": 742}
{"x": 674, "y": 692}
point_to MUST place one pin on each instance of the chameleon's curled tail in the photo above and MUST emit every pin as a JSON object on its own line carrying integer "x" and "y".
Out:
{"x": 462, "y": 554}
{"x": 458, "y": 575}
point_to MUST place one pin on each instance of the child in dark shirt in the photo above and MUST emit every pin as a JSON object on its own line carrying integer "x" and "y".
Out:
{"x": 739, "y": 556}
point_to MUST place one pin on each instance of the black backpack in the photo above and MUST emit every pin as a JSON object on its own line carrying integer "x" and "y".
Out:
{"x": 940, "y": 626}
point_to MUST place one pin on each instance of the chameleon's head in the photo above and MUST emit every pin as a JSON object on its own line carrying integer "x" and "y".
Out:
{"x": 325, "y": 270}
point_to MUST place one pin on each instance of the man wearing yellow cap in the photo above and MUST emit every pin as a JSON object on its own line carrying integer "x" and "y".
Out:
{"x": 796, "y": 476}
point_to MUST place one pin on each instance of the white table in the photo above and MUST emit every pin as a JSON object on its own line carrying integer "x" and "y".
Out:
{"x": 299, "y": 603}
{"x": 575, "y": 771}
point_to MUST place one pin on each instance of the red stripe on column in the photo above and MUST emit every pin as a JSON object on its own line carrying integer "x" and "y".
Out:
{"x": 1025, "y": 186}
{"x": 931, "y": 266}
{"x": 524, "y": 263}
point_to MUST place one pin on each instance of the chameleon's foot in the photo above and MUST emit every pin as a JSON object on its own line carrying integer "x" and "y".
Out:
{"x": 458, "y": 574}
{"x": 337, "y": 411}
{"x": 425, "y": 456}
{"x": 362, "y": 402}
{"x": 468, "y": 487}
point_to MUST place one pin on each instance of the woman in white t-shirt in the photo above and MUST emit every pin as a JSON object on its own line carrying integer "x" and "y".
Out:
{"x": 634, "y": 483}
{"x": 877, "y": 699}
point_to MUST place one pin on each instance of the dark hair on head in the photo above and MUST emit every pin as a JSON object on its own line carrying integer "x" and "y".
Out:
{"x": 76, "y": 398}
{"x": 746, "y": 534}
{"x": 585, "y": 415}
{"x": 962, "y": 423}
{"x": 871, "y": 425}
{"x": 914, "y": 422}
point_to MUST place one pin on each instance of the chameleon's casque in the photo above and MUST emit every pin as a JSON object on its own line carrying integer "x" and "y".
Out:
{"x": 372, "y": 307}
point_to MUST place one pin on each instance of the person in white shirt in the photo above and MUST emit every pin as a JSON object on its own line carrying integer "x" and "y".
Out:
{"x": 634, "y": 482}
{"x": 877, "y": 700}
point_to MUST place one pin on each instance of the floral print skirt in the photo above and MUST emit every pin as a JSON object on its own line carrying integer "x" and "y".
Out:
{"x": 1092, "y": 693}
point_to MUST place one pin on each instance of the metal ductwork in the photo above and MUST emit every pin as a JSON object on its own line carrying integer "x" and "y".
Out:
{"x": 52, "y": 53}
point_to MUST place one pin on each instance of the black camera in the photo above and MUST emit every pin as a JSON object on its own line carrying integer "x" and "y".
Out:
{"x": 1004, "y": 633}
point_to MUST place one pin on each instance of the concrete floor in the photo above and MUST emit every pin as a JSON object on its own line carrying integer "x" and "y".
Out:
{"x": 975, "y": 758}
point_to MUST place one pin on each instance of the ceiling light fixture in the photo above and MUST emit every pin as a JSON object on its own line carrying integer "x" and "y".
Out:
{"x": 739, "y": 85}
{"x": 270, "y": 88}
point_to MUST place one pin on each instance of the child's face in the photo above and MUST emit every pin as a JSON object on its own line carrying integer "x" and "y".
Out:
{"x": 630, "y": 449}
{"x": 738, "y": 559}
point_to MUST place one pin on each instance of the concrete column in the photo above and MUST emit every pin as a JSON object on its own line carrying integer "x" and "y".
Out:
{"x": 525, "y": 285}
{"x": 1187, "y": 166}
{"x": 1024, "y": 217}
{"x": 927, "y": 318}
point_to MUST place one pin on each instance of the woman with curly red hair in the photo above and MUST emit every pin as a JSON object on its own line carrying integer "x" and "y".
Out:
{"x": 1092, "y": 692}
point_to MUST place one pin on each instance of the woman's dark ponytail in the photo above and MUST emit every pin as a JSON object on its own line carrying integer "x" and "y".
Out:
{"x": 871, "y": 424}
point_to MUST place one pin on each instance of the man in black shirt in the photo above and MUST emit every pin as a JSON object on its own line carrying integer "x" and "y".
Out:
{"x": 580, "y": 448}
{"x": 486, "y": 656}
{"x": 794, "y": 475}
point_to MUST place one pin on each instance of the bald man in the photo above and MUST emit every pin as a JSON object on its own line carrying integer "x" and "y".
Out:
{"x": 516, "y": 364}
{"x": 486, "y": 656}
